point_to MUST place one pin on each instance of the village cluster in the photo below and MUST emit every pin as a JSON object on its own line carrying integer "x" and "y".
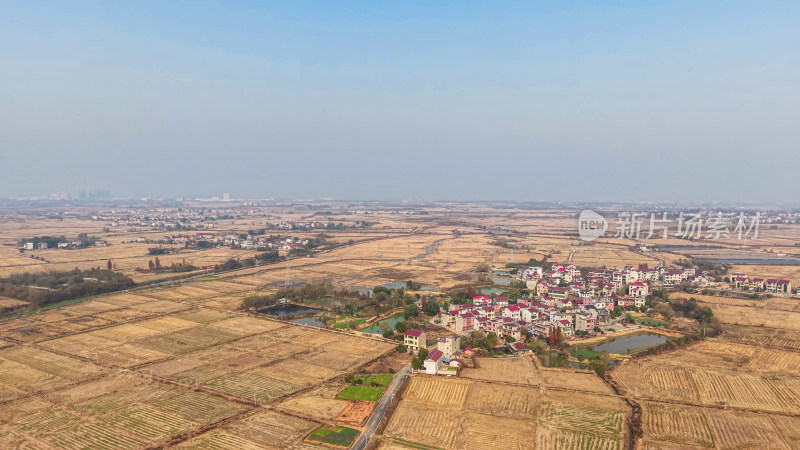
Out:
{"x": 68, "y": 244}
{"x": 769, "y": 285}
{"x": 563, "y": 297}
{"x": 234, "y": 240}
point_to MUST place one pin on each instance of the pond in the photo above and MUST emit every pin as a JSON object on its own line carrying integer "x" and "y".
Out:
{"x": 499, "y": 232}
{"x": 502, "y": 281}
{"x": 554, "y": 359}
{"x": 623, "y": 344}
{"x": 333, "y": 301}
{"x": 289, "y": 310}
{"x": 428, "y": 251}
{"x": 309, "y": 321}
{"x": 490, "y": 291}
{"x": 375, "y": 328}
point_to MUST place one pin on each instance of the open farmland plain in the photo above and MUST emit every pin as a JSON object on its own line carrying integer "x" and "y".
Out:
{"x": 738, "y": 390}
{"x": 179, "y": 365}
{"x": 468, "y": 414}
{"x": 160, "y": 367}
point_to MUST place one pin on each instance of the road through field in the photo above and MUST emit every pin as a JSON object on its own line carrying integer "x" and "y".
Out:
{"x": 380, "y": 410}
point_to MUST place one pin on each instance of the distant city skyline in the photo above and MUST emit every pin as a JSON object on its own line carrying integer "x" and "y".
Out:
{"x": 609, "y": 101}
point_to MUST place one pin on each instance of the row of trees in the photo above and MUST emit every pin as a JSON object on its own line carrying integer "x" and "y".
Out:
{"x": 297, "y": 294}
{"x": 41, "y": 289}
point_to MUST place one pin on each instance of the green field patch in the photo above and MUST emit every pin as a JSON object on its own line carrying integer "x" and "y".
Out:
{"x": 369, "y": 380}
{"x": 588, "y": 354}
{"x": 341, "y": 436}
{"x": 366, "y": 393}
{"x": 649, "y": 321}
{"x": 349, "y": 324}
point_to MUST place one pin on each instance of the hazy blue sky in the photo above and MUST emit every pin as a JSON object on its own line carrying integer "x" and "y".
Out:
{"x": 639, "y": 100}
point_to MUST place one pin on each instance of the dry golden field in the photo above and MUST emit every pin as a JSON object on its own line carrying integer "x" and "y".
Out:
{"x": 156, "y": 367}
{"x": 525, "y": 370}
{"x": 464, "y": 414}
{"x": 739, "y": 390}
{"x": 179, "y": 365}
{"x": 679, "y": 426}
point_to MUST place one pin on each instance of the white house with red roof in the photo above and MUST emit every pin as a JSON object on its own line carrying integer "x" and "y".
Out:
{"x": 649, "y": 275}
{"x": 776, "y": 286}
{"x": 673, "y": 276}
{"x": 756, "y": 284}
{"x": 512, "y": 312}
{"x": 566, "y": 327}
{"x": 415, "y": 339}
{"x": 638, "y": 289}
{"x": 433, "y": 361}
{"x": 481, "y": 300}
{"x": 528, "y": 314}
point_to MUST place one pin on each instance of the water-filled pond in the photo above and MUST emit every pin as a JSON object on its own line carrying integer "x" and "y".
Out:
{"x": 623, "y": 344}
{"x": 309, "y": 321}
{"x": 502, "y": 281}
{"x": 375, "y": 328}
{"x": 490, "y": 291}
{"x": 289, "y": 310}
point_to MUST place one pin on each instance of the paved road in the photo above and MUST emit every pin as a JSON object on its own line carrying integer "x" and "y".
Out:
{"x": 380, "y": 410}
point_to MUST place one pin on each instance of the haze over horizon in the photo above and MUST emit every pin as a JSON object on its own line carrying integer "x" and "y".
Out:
{"x": 663, "y": 101}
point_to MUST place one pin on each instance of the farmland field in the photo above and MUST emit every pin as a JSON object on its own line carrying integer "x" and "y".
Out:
{"x": 739, "y": 390}
{"x": 698, "y": 427}
{"x": 711, "y": 374}
{"x": 365, "y": 393}
{"x": 454, "y": 413}
{"x": 340, "y": 436}
{"x": 179, "y": 365}
{"x": 192, "y": 367}
{"x": 512, "y": 370}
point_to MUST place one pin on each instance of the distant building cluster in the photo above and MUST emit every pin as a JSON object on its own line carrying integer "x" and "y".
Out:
{"x": 743, "y": 282}
{"x": 567, "y": 298}
{"x": 243, "y": 241}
